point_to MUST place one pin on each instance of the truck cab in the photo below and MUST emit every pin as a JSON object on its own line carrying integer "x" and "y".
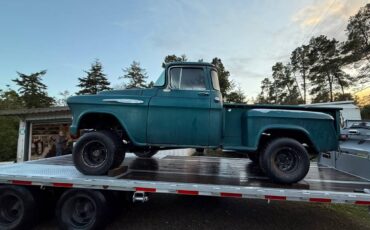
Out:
{"x": 187, "y": 107}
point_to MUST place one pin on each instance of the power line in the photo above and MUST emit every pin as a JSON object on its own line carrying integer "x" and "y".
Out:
{"x": 319, "y": 22}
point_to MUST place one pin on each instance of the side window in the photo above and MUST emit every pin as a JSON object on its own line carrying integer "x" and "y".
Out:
{"x": 215, "y": 82}
{"x": 187, "y": 78}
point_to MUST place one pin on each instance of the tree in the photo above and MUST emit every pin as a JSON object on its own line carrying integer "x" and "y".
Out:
{"x": 286, "y": 89}
{"x": 301, "y": 64}
{"x": 343, "y": 97}
{"x": 226, "y": 85}
{"x": 32, "y": 91}
{"x": 136, "y": 75}
{"x": 236, "y": 96}
{"x": 95, "y": 81}
{"x": 174, "y": 58}
{"x": 267, "y": 95}
{"x": 9, "y": 99}
{"x": 63, "y": 100}
{"x": 358, "y": 34}
{"x": 357, "y": 45}
{"x": 326, "y": 75}
{"x": 365, "y": 112}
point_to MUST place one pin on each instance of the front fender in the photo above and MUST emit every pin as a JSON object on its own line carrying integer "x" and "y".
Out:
{"x": 130, "y": 111}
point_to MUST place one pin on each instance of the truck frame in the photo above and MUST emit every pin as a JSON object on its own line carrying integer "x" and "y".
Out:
{"x": 22, "y": 183}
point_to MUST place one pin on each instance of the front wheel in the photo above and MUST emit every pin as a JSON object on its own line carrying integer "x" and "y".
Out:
{"x": 285, "y": 160}
{"x": 97, "y": 152}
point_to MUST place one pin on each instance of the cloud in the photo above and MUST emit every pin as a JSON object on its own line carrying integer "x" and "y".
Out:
{"x": 328, "y": 17}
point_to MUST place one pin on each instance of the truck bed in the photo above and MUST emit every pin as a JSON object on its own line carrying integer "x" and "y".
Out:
{"x": 211, "y": 176}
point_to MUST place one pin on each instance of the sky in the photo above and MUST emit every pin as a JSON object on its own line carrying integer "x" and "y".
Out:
{"x": 65, "y": 37}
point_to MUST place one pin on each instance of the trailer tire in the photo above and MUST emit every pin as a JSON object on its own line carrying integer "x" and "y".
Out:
{"x": 97, "y": 152}
{"x": 18, "y": 208}
{"x": 82, "y": 209}
{"x": 285, "y": 160}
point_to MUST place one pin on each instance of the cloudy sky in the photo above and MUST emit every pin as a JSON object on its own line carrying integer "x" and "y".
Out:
{"x": 249, "y": 36}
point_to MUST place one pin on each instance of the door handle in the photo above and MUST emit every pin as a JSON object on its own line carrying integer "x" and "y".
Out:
{"x": 203, "y": 94}
{"x": 217, "y": 99}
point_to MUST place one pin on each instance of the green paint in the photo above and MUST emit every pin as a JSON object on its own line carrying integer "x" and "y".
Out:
{"x": 168, "y": 117}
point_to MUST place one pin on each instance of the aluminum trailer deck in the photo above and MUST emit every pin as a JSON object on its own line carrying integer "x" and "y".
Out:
{"x": 209, "y": 176}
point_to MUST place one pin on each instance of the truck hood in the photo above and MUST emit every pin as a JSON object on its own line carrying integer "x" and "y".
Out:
{"x": 142, "y": 94}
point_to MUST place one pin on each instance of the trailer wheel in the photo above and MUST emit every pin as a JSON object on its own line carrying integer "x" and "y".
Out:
{"x": 285, "y": 160}
{"x": 82, "y": 209}
{"x": 18, "y": 208}
{"x": 146, "y": 153}
{"x": 97, "y": 152}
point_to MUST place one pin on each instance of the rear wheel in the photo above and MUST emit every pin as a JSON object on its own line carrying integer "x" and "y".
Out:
{"x": 82, "y": 209}
{"x": 18, "y": 208}
{"x": 97, "y": 152}
{"x": 285, "y": 160}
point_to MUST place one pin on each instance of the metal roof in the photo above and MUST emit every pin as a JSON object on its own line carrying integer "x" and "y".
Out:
{"x": 34, "y": 111}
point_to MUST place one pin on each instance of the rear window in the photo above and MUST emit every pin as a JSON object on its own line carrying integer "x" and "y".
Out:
{"x": 187, "y": 78}
{"x": 215, "y": 82}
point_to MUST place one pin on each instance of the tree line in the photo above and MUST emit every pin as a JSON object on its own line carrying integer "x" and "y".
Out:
{"x": 316, "y": 71}
{"x": 32, "y": 92}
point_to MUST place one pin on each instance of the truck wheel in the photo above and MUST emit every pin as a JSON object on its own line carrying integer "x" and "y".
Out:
{"x": 285, "y": 160}
{"x": 97, "y": 152}
{"x": 18, "y": 208}
{"x": 146, "y": 153}
{"x": 82, "y": 209}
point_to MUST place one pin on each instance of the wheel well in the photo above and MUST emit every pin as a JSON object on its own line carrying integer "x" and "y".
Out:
{"x": 102, "y": 121}
{"x": 297, "y": 135}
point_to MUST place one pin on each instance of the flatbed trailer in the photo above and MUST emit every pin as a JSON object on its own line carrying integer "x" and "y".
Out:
{"x": 185, "y": 175}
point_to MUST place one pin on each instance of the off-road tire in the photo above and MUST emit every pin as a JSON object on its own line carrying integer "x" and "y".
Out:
{"x": 285, "y": 160}
{"x": 111, "y": 145}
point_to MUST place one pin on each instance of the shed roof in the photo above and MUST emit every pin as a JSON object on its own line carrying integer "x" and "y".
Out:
{"x": 34, "y": 111}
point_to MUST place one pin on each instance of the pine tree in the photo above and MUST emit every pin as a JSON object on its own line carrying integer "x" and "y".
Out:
{"x": 32, "y": 91}
{"x": 300, "y": 61}
{"x": 326, "y": 75}
{"x": 95, "y": 81}
{"x": 136, "y": 75}
{"x": 226, "y": 85}
{"x": 174, "y": 58}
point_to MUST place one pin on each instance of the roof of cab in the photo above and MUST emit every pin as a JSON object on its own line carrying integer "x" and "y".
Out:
{"x": 190, "y": 63}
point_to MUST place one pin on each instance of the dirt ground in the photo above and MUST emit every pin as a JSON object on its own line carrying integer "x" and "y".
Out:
{"x": 165, "y": 211}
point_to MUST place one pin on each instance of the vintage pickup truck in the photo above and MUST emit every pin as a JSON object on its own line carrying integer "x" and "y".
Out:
{"x": 185, "y": 109}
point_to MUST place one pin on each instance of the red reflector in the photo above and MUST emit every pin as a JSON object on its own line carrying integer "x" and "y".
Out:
{"x": 362, "y": 202}
{"x": 230, "y": 194}
{"x": 187, "y": 192}
{"x": 21, "y": 182}
{"x": 275, "y": 197}
{"x": 64, "y": 185}
{"x": 323, "y": 200}
{"x": 140, "y": 189}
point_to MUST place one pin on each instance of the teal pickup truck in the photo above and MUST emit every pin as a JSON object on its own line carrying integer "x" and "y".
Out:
{"x": 185, "y": 109}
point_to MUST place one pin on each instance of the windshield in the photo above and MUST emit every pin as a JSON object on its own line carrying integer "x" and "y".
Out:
{"x": 160, "y": 81}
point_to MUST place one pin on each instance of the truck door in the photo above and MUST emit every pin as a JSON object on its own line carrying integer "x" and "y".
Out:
{"x": 179, "y": 114}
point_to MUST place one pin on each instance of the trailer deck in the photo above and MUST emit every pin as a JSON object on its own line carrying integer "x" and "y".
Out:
{"x": 190, "y": 175}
